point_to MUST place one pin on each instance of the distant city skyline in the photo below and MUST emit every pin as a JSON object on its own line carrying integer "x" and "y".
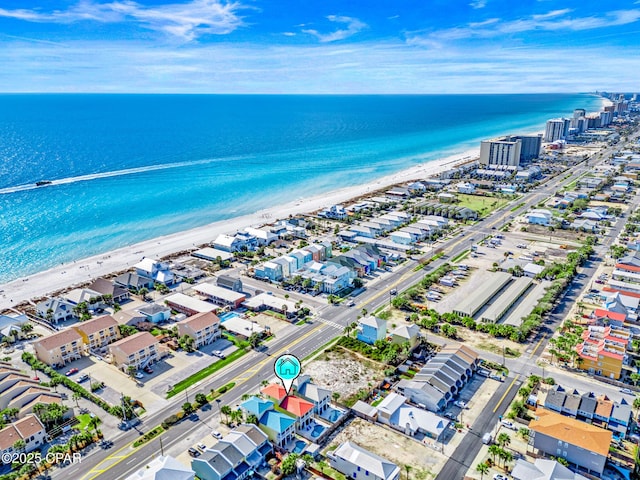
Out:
{"x": 259, "y": 46}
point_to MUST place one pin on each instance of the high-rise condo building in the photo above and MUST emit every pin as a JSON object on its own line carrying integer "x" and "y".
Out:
{"x": 557, "y": 129}
{"x": 500, "y": 151}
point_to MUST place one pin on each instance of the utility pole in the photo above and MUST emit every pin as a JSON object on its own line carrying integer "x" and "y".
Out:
{"x": 161, "y": 448}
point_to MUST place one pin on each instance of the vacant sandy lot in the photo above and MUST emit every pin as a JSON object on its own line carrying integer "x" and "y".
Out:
{"x": 393, "y": 446}
{"x": 344, "y": 372}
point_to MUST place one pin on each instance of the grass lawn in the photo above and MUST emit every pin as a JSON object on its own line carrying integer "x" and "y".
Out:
{"x": 84, "y": 421}
{"x": 204, "y": 373}
{"x": 483, "y": 205}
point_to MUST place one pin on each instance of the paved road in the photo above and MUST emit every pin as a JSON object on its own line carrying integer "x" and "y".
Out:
{"x": 249, "y": 371}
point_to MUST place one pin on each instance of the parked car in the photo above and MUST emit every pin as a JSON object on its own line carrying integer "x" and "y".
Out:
{"x": 509, "y": 425}
{"x": 627, "y": 391}
{"x": 149, "y": 370}
{"x": 599, "y": 281}
{"x": 218, "y": 354}
{"x": 71, "y": 371}
{"x": 83, "y": 378}
{"x": 450, "y": 416}
{"x": 193, "y": 452}
{"x": 521, "y": 245}
{"x": 216, "y": 434}
{"x": 201, "y": 446}
{"x": 499, "y": 476}
{"x": 487, "y": 438}
{"x": 460, "y": 404}
{"x": 139, "y": 375}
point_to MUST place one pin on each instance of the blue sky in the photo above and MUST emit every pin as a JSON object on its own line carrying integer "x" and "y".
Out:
{"x": 322, "y": 46}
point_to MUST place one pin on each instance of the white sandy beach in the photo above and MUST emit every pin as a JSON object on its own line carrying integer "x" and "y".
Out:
{"x": 81, "y": 271}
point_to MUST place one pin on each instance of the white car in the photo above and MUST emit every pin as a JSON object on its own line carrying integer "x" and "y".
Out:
{"x": 216, "y": 434}
{"x": 627, "y": 391}
{"x": 201, "y": 446}
{"x": 460, "y": 403}
{"x": 139, "y": 375}
{"x": 509, "y": 425}
{"x": 498, "y": 476}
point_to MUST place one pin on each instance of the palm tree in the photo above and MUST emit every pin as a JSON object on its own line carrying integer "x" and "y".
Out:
{"x": 494, "y": 450}
{"x": 506, "y": 457}
{"x": 408, "y": 469}
{"x": 226, "y": 410}
{"x": 76, "y": 396}
{"x": 482, "y": 468}
{"x": 504, "y": 439}
{"x": 93, "y": 423}
{"x": 252, "y": 418}
{"x": 236, "y": 416}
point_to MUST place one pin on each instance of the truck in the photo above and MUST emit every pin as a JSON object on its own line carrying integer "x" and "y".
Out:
{"x": 487, "y": 438}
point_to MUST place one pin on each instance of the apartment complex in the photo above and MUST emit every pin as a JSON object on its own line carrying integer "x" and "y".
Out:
{"x": 584, "y": 446}
{"x": 204, "y": 328}
{"x": 138, "y": 350}
{"x": 99, "y": 332}
{"x": 603, "y": 350}
{"x": 58, "y": 349}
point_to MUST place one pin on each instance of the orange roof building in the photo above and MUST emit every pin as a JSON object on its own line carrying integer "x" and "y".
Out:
{"x": 275, "y": 391}
{"x": 296, "y": 405}
{"x": 581, "y": 444}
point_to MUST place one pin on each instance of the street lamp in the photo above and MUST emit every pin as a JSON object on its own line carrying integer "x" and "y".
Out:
{"x": 219, "y": 410}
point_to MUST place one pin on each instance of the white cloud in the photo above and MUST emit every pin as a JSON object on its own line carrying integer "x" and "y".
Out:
{"x": 186, "y": 21}
{"x": 368, "y": 67}
{"x": 555, "y": 20}
{"x": 289, "y": 34}
{"x": 478, "y": 4}
{"x": 551, "y": 14}
{"x": 353, "y": 26}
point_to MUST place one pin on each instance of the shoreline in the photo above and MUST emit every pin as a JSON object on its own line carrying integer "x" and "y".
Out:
{"x": 66, "y": 276}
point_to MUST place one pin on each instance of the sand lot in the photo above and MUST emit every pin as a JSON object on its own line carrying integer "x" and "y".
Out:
{"x": 393, "y": 446}
{"x": 344, "y": 372}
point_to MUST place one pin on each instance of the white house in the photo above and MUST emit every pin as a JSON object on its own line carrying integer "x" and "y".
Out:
{"x": 355, "y": 462}
{"x": 157, "y": 271}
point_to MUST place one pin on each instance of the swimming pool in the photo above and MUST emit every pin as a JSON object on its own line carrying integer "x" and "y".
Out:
{"x": 226, "y": 316}
{"x": 333, "y": 414}
{"x": 299, "y": 446}
{"x": 317, "y": 431}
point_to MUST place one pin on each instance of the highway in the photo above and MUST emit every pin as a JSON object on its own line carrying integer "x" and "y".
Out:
{"x": 250, "y": 370}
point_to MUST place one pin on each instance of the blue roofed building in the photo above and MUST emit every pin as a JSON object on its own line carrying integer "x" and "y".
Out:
{"x": 279, "y": 427}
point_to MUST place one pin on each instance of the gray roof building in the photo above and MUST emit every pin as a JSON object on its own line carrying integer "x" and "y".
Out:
{"x": 355, "y": 462}
{"x": 555, "y": 398}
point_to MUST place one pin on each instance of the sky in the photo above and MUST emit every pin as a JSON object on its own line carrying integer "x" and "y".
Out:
{"x": 319, "y": 46}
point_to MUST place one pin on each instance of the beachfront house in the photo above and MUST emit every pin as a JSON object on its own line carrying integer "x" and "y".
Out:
{"x": 155, "y": 270}
{"x": 371, "y": 329}
{"x": 108, "y": 289}
{"x": 56, "y": 310}
{"x": 263, "y": 237}
{"x": 355, "y": 462}
{"x": 133, "y": 281}
{"x": 203, "y": 328}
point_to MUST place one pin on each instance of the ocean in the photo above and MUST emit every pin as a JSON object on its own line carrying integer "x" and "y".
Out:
{"x": 127, "y": 168}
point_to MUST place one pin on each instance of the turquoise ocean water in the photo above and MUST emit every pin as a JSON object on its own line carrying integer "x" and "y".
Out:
{"x": 134, "y": 167}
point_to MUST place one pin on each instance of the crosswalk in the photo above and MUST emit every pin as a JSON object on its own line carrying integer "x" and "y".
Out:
{"x": 331, "y": 324}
